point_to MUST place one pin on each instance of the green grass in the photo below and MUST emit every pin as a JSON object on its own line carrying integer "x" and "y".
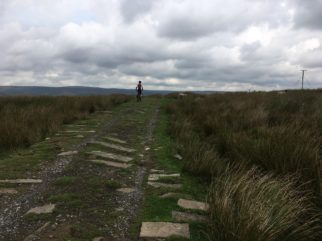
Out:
{"x": 69, "y": 200}
{"x": 27, "y": 120}
{"x": 65, "y": 181}
{"x": 156, "y": 208}
{"x": 226, "y": 137}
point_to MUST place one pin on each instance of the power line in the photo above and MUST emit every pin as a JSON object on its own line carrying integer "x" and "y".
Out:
{"x": 303, "y": 71}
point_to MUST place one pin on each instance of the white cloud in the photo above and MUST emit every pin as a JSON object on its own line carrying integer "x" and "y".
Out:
{"x": 169, "y": 44}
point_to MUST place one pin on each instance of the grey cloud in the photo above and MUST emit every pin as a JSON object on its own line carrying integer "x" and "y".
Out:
{"x": 308, "y": 14}
{"x": 132, "y": 8}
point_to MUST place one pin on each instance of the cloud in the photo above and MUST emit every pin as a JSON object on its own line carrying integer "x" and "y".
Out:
{"x": 308, "y": 14}
{"x": 169, "y": 44}
{"x": 131, "y": 9}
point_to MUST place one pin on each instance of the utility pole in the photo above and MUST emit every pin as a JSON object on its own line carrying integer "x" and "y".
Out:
{"x": 303, "y": 71}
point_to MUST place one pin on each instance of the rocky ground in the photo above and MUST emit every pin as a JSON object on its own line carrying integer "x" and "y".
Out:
{"x": 99, "y": 179}
{"x": 90, "y": 199}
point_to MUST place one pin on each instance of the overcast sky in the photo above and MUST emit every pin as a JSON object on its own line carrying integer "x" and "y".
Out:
{"x": 168, "y": 44}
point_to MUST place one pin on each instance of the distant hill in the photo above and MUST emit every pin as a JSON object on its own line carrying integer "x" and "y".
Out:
{"x": 70, "y": 90}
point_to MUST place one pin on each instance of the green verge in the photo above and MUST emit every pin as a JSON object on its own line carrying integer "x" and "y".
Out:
{"x": 159, "y": 209}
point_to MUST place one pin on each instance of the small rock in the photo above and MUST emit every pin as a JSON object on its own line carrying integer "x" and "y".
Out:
{"x": 178, "y": 157}
{"x": 49, "y": 208}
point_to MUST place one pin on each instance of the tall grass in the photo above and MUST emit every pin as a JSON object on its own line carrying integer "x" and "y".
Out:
{"x": 263, "y": 153}
{"x": 26, "y": 120}
{"x": 278, "y": 133}
{"x": 250, "y": 206}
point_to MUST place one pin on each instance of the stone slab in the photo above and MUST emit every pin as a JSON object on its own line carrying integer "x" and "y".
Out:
{"x": 164, "y": 230}
{"x": 156, "y": 177}
{"x": 112, "y": 164}
{"x": 194, "y": 205}
{"x": 173, "y": 195}
{"x": 78, "y": 131}
{"x": 165, "y": 185}
{"x": 115, "y": 140}
{"x": 22, "y": 181}
{"x": 112, "y": 156}
{"x": 48, "y": 208}
{"x": 79, "y": 136}
{"x": 68, "y": 153}
{"x": 113, "y": 146}
{"x": 126, "y": 190}
{"x": 8, "y": 191}
{"x": 188, "y": 217}
{"x": 156, "y": 171}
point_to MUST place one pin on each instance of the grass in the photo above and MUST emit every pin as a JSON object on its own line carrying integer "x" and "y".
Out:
{"x": 27, "y": 120}
{"x": 65, "y": 181}
{"x": 250, "y": 206}
{"x": 261, "y": 152}
{"x": 159, "y": 209}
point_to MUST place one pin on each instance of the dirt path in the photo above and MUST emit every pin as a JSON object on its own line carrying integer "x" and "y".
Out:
{"x": 88, "y": 196}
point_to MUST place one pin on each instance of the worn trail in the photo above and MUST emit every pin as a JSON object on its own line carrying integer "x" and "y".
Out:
{"x": 93, "y": 186}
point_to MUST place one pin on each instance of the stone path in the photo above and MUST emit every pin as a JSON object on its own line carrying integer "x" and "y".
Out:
{"x": 111, "y": 164}
{"x": 115, "y": 139}
{"x": 22, "y": 181}
{"x": 78, "y": 162}
{"x": 112, "y": 156}
{"x": 68, "y": 153}
{"x": 8, "y": 191}
{"x": 156, "y": 177}
{"x": 164, "y": 230}
{"x": 113, "y": 146}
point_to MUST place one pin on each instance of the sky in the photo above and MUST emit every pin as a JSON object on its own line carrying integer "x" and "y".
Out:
{"x": 231, "y": 45}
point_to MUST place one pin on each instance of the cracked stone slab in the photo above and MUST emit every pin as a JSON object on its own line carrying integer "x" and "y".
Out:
{"x": 22, "y": 181}
{"x": 111, "y": 164}
{"x": 112, "y": 156}
{"x": 166, "y": 185}
{"x": 48, "y": 208}
{"x": 115, "y": 140}
{"x": 8, "y": 191}
{"x": 68, "y": 153}
{"x": 126, "y": 190}
{"x": 113, "y": 146}
{"x": 164, "y": 230}
{"x": 156, "y": 177}
{"x": 194, "y": 205}
{"x": 188, "y": 217}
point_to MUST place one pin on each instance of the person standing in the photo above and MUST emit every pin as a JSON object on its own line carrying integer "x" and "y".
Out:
{"x": 139, "y": 90}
